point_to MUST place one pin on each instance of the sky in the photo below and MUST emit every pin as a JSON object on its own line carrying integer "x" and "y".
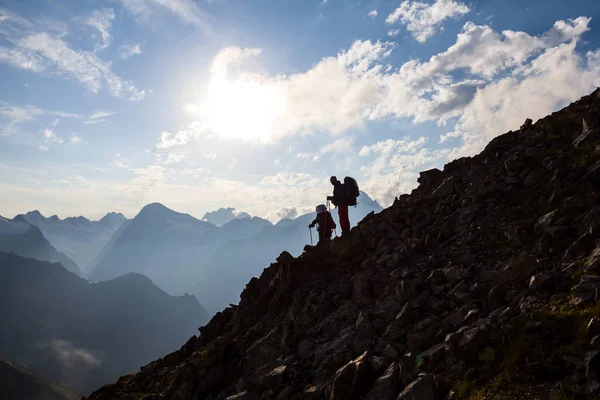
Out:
{"x": 108, "y": 105}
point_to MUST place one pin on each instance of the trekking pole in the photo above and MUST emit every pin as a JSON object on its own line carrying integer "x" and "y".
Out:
{"x": 310, "y": 230}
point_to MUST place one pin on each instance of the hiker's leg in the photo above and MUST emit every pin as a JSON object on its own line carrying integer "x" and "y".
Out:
{"x": 344, "y": 221}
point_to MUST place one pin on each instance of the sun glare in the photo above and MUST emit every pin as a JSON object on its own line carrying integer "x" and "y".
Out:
{"x": 245, "y": 108}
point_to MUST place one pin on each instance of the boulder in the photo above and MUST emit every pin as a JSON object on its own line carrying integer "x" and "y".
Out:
{"x": 593, "y": 327}
{"x": 541, "y": 281}
{"x": 422, "y": 388}
{"x": 445, "y": 189}
{"x": 361, "y": 293}
{"x": 387, "y": 385}
{"x": 429, "y": 178}
{"x": 353, "y": 380}
{"x": 275, "y": 377}
{"x": 592, "y": 365}
{"x": 363, "y": 326}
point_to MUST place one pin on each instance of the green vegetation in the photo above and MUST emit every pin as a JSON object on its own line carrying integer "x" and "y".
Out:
{"x": 531, "y": 362}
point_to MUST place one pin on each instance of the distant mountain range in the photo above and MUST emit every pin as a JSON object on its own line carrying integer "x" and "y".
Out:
{"x": 182, "y": 254}
{"x": 17, "y": 382}
{"x": 223, "y": 215}
{"x": 167, "y": 246}
{"x": 78, "y": 237}
{"x": 85, "y": 334}
{"x": 21, "y": 237}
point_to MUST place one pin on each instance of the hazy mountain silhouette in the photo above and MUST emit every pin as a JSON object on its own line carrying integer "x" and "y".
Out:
{"x": 242, "y": 228}
{"x": 17, "y": 382}
{"x": 22, "y": 238}
{"x": 183, "y": 254}
{"x": 78, "y": 237}
{"x": 167, "y": 246}
{"x": 233, "y": 264}
{"x": 223, "y": 215}
{"x": 84, "y": 334}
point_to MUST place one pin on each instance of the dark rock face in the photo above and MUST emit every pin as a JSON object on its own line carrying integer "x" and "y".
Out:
{"x": 483, "y": 277}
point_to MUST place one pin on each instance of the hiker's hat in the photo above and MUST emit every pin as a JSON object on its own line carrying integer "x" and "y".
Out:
{"x": 321, "y": 208}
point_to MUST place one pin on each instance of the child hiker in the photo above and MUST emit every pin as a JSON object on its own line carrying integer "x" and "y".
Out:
{"x": 325, "y": 223}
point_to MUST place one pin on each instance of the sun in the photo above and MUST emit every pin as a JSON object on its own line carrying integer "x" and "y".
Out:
{"x": 246, "y": 107}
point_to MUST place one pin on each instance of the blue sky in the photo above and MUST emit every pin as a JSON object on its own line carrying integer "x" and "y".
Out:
{"x": 108, "y": 105}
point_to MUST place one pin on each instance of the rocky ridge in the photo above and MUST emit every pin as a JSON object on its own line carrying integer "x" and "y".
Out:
{"x": 483, "y": 282}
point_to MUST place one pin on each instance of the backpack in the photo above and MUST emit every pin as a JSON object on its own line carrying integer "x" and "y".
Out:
{"x": 351, "y": 190}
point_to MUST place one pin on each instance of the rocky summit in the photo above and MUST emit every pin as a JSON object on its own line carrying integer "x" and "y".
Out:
{"x": 482, "y": 283}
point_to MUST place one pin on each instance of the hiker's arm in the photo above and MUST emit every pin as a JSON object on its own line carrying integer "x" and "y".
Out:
{"x": 312, "y": 224}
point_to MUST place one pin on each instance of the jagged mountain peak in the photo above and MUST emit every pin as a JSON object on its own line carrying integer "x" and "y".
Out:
{"x": 482, "y": 282}
{"x": 224, "y": 215}
{"x": 112, "y": 219}
{"x": 35, "y": 214}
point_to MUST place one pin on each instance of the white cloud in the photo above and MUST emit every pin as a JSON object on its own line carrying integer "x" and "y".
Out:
{"x": 174, "y": 158}
{"x": 287, "y": 213}
{"x": 71, "y": 356}
{"x": 102, "y": 21}
{"x": 50, "y": 138}
{"x": 14, "y": 115}
{"x": 450, "y": 135}
{"x": 120, "y": 164}
{"x": 129, "y": 50}
{"x": 344, "y": 92}
{"x": 393, "y": 171}
{"x": 83, "y": 66}
{"x": 98, "y": 117}
{"x": 187, "y": 10}
{"x": 505, "y": 104}
{"x": 342, "y": 145}
{"x": 372, "y": 14}
{"x": 332, "y": 96}
{"x": 21, "y": 59}
{"x": 290, "y": 179}
{"x": 45, "y": 51}
{"x": 393, "y": 32}
{"x": 149, "y": 176}
{"x": 194, "y": 131}
{"x": 422, "y": 20}
{"x": 75, "y": 139}
{"x": 476, "y": 92}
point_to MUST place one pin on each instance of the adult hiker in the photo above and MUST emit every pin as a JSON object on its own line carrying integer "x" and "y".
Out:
{"x": 325, "y": 223}
{"x": 344, "y": 194}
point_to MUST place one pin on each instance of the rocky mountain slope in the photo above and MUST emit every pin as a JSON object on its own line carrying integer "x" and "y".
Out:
{"x": 82, "y": 334}
{"x": 17, "y": 382}
{"x": 19, "y": 236}
{"x": 77, "y": 237}
{"x": 482, "y": 283}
